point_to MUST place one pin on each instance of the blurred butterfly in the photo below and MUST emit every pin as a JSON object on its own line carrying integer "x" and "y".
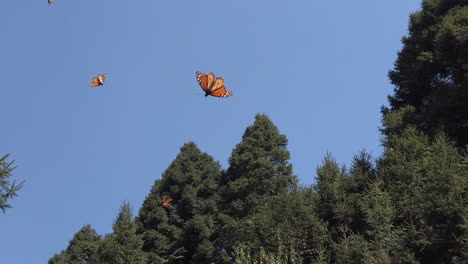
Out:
{"x": 165, "y": 202}
{"x": 50, "y": 1}
{"x": 98, "y": 80}
{"x": 212, "y": 86}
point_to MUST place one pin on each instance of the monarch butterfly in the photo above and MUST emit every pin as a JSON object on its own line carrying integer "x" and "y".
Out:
{"x": 165, "y": 202}
{"x": 50, "y": 1}
{"x": 212, "y": 86}
{"x": 98, "y": 80}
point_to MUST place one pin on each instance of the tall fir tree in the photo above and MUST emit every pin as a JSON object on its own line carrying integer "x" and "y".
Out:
{"x": 184, "y": 231}
{"x": 124, "y": 245}
{"x": 259, "y": 168}
{"x": 427, "y": 182}
{"x": 361, "y": 176}
{"x": 431, "y": 72}
{"x": 332, "y": 204}
{"x": 82, "y": 249}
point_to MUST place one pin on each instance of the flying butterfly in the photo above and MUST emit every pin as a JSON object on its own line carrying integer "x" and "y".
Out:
{"x": 212, "y": 86}
{"x": 98, "y": 80}
{"x": 50, "y": 1}
{"x": 165, "y": 202}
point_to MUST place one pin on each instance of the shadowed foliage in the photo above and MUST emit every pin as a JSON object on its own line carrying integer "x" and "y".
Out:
{"x": 431, "y": 72}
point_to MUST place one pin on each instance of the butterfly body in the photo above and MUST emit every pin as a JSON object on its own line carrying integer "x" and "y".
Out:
{"x": 212, "y": 86}
{"x": 98, "y": 80}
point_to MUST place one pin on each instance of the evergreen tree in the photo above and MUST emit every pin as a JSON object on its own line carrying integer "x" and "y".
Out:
{"x": 427, "y": 182}
{"x": 395, "y": 122}
{"x": 352, "y": 249}
{"x": 62, "y": 258}
{"x": 431, "y": 72}
{"x": 355, "y": 185}
{"x": 184, "y": 231}
{"x": 361, "y": 174}
{"x": 377, "y": 220}
{"x": 259, "y": 169}
{"x": 333, "y": 207}
{"x": 7, "y": 189}
{"x": 376, "y": 240}
{"x": 288, "y": 227}
{"x": 124, "y": 245}
{"x": 82, "y": 248}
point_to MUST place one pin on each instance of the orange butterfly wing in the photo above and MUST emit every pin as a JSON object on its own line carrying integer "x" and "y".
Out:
{"x": 211, "y": 86}
{"x": 205, "y": 81}
{"x": 219, "y": 90}
{"x": 95, "y": 82}
{"x": 166, "y": 202}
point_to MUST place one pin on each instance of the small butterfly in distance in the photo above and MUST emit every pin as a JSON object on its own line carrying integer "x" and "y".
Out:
{"x": 50, "y": 1}
{"x": 98, "y": 80}
{"x": 212, "y": 86}
{"x": 165, "y": 202}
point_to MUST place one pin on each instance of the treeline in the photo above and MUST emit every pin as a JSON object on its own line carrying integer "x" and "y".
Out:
{"x": 409, "y": 205}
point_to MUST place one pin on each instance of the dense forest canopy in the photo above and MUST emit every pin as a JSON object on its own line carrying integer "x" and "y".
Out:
{"x": 407, "y": 206}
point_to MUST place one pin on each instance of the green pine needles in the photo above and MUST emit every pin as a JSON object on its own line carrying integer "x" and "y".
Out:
{"x": 8, "y": 189}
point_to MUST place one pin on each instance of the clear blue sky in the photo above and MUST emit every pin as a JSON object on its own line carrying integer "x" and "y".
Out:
{"x": 318, "y": 69}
